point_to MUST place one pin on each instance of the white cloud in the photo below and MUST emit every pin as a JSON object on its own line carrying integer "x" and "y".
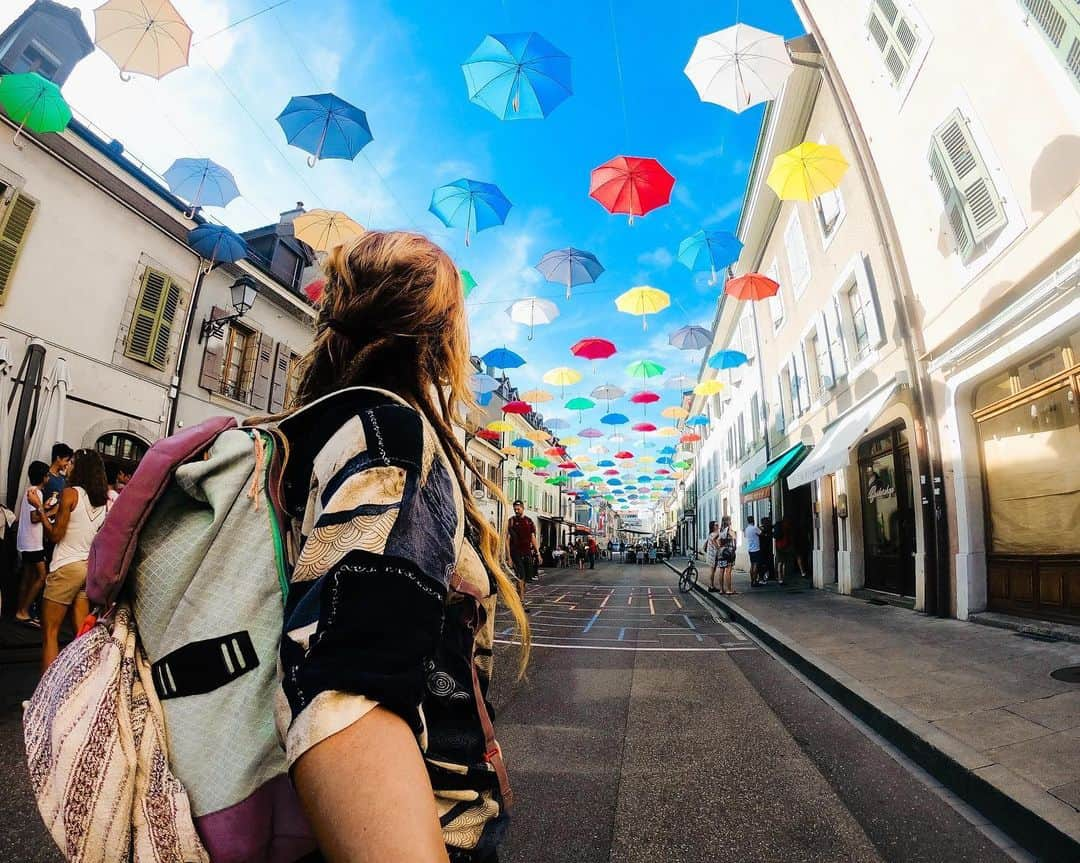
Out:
{"x": 658, "y": 259}
{"x": 725, "y": 211}
{"x": 700, "y": 157}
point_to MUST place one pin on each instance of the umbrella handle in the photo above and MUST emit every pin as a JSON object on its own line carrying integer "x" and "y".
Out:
{"x": 15, "y": 140}
{"x": 312, "y": 160}
{"x": 124, "y": 76}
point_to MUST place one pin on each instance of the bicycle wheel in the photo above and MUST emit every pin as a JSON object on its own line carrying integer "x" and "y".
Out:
{"x": 687, "y": 579}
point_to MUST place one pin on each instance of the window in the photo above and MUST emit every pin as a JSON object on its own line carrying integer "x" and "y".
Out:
{"x": 746, "y": 334}
{"x": 477, "y": 472}
{"x": 798, "y": 262}
{"x": 787, "y": 397}
{"x": 16, "y": 213}
{"x": 151, "y": 325}
{"x": 34, "y": 58}
{"x": 729, "y": 453}
{"x": 832, "y": 319}
{"x": 755, "y": 419}
{"x": 973, "y": 207}
{"x": 800, "y": 384}
{"x": 776, "y": 302}
{"x": 741, "y": 435}
{"x": 123, "y": 449}
{"x": 829, "y": 209}
{"x": 818, "y": 349}
{"x": 895, "y": 36}
{"x": 859, "y": 313}
{"x": 238, "y": 368}
{"x": 1058, "y": 22}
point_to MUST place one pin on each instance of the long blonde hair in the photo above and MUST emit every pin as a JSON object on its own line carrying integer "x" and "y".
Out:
{"x": 393, "y": 316}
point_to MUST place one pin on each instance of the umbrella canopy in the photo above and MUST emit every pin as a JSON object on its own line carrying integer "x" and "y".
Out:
{"x": 555, "y": 451}
{"x": 691, "y": 437}
{"x": 624, "y": 454}
{"x": 481, "y": 383}
{"x": 644, "y": 301}
{"x": 532, "y": 311}
{"x": 488, "y": 435}
{"x": 517, "y": 76}
{"x": 728, "y": 360}
{"x": 562, "y": 377}
{"x": 698, "y": 420}
{"x": 140, "y": 37}
{"x": 567, "y": 465}
{"x": 679, "y": 382}
{"x": 591, "y": 433}
{"x": 570, "y": 267}
{"x": 202, "y": 182}
{"x": 643, "y": 427}
{"x": 471, "y": 203}
{"x": 34, "y": 103}
{"x": 580, "y": 404}
{"x": 216, "y": 244}
{"x": 608, "y": 392}
{"x": 537, "y": 435}
{"x": 674, "y": 412}
{"x": 645, "y": 397}
{"x": 752, "y": 286}
{"x": 539, "y": 461}
{"x": 593, "y": 349}
{"x": 537, "y": 396}
{"x": 501, "y": 358}
{"x": 645, "y": 369}
{"x": 739, "y": 67}
{"x": 557, "y": 480}
{"x": 315, "y": 289}
{"x": 50, "y": 422}
{"x": 556, "y": 423}
{"x": 709, "y": 250}
{"x": 708, "y": 388}
{"x": 569, "y": 441}
{"x": 669, "y": 431}
{"x": 517, "y": 407}
{"x": 326, "y": 126}
{"x": 499, "y": 426}
{"x": 690, "y": 338}
{"x": 614, "y": 419}
{"x": 467, "y": 282}
{"x": 806, "y": 171}
{"x": 324, "y": 230}
{"x": 631, "y": 185}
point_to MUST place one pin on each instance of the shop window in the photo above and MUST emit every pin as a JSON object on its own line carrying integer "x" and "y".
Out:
{"x": 122, "y": 449}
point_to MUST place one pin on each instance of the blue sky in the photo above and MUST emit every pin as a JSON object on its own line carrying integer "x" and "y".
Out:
{"x": 400, "y": 60}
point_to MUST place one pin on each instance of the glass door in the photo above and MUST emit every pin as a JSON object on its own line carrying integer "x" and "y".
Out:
{"x": 888, "y": 516}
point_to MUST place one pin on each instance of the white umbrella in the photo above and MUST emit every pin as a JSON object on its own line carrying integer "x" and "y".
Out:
{"x": 50, "y": 424}
{"x": 532, "y": 311}
{"x": 5, "y": 426}
{"x": 739, "y": 67}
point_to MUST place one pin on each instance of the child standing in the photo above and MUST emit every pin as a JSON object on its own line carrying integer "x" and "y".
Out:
{"x": 31, "y": 542}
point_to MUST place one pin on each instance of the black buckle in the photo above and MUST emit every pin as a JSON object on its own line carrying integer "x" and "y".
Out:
{"x": 203, "y": 666}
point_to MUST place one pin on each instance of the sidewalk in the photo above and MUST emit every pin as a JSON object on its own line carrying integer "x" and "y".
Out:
{"x": 974, "y": 705}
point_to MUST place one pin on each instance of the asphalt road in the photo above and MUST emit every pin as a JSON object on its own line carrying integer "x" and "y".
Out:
{"x": 649, "y": 729}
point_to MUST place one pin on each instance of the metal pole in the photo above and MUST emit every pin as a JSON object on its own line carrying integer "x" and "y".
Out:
{"x": 182, "y": 355}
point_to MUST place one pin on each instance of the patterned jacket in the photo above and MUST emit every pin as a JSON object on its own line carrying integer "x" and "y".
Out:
{"x": 388, "y": 603}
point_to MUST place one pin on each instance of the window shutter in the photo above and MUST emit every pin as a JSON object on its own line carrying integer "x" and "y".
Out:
{"x": 213, "y": 356}
{"x": 264, "y": 371}
{"x": 868, "y": 300}
{"x": 798, "y": 362}
{"x": 160, "y": 354}
{"x": 14, "y": 226}
{"x": 895, "y": 36}
{"x": 776, "y": 302}
{"x": 280, "y": 382}
{"x": 1059, "y": 23}
{"x": 151, "y": 325}
{"x": 826, "y": 374}
{"x": 778, "y": 414}
{"x": 798, "y": 263}
{"x": 837, "y": 346}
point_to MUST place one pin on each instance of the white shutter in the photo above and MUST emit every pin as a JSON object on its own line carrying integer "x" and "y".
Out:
{"x": 804, "y": 379}
{"x": 895, "y": 37}
{"x": 776, "y": 302}
{"x": 826, "y": 373}
{"x": 778, "y": 414}
{"x": 868, "y": 300}
{"x": 798, "y": 262}
{"x": 837, "y": 347}
{"x": 1059, "y": 23}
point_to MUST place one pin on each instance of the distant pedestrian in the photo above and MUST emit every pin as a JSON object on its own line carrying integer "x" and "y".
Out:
{"x": 79, "y": 516}
{"x": 652, "y": 553}
{"x": 112, "y": 477}
{"x": 753, "y": 548}
{"x": 712, "y": 553}
{"x": 30, "y": 542}
{"x": 521, "y": 544}
{"x": 580, "y": 553}
{"x": 594, "y": 550}
{"x": 728, "y": 543}
{"x": 768, "y": 566}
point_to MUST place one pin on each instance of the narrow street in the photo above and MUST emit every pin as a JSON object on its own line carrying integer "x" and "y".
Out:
{"x": 649, "y": 728}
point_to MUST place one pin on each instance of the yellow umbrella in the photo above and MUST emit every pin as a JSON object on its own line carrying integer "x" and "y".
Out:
{"x": 562, "y": 377}
{"x": 535, "y": 397}
{"x": 675, "y": 413}
{"x": 537, "y": 435}
{"x": 145, "y": 37}
{"x": 669, "y": 431}
{"x": 708, "y": 388}
{"x": 569, "y": 441}
{"x": 500, "y": 426}
{"x": 644, "y": 301}
{"x": 806, "y": 171}
{"x": 324, "y": 230}
{"x": 508, "y": 450}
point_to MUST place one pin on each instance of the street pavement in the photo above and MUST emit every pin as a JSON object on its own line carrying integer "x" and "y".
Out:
{"x": 648, "y": 728}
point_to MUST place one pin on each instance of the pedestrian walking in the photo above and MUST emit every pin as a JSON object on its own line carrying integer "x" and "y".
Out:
{"x": 728, "y": 543}
{"x": 30, "y": 542}
{"x": 767, "y": 566}
{"x": 580, "y": 553}
{"x": 521, "y": 544}
{"x": 79, "y": 515}
{"x": 594, "y": 550}
{"x": 753, "y": 547}
{"x": 712, "y": 553}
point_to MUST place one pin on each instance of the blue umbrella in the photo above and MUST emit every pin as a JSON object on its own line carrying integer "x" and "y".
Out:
{"x": 668, "y": 450}
{"x": 664, "y": 460}
{"x": 698, "y": 420}
{"x": 690, "y": 338}
{"x": 570, "y": 267}
{"x": 556, "y": 423}
{"x": 728, "y": 360}
{"x": 501, "y": 358}
{"x": 217, "y": 244}
{"x": 605, "y": 463}
{"x": 574, "y": 474}
{"x": 712, "y": 250}
{"x": 614, "y": 419}
{"x": 481, "y": 383}
{"x": 522, "y": 443}
{"x": 326, "y": 126}
{"x": 201, "y": 182}
{"x": 614, "y": 481}
{"x": 484, "y": 399}
{"x": 517, "y": 76}
{"x": 644, "y": 478}
{"x": 477, "y": 205}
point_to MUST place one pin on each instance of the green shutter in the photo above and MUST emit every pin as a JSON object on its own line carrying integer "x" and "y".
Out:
{"x": 151, "y": 325}
{"x": 14, "y": 226}
{"x": 1059, "y": 23}
{"x": 895, "y": 37}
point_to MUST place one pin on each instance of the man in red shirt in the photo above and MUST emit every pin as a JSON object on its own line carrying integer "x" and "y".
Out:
{"x": 522, "y": 545}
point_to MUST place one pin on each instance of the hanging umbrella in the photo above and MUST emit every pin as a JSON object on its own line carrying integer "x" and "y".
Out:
{"x": 326, "y": 126}
{"x": 34, "y": 103}
{"x": 499, "y": 426}
{"x": 631, "y": 185}
{"x": 556, "y": 423}
{"x": 7, "y": 376}
{"x": 608, "y": 392}
{"x": 567, "y": 465}
{"x": 644, "y": 301}
{"x": 541, "y": 473}
{"x": 591, "y": 433}
{"x": 517, "y": 407}
{"x": 624, "y": 454}
{"x": 202, "y": 183}
{"x": 606, "y": 463}
{"x": 143, "y": 37}
{"x": 467, "y": 282}
{"x": 643, "y": 427}
{"x": 537, "y": 396}
{"x": 708, "y": 388}
{"x": 690, "y": 438}
{"x": 674, "y": 412}
{"x": 539, "y": 461}
{"x": 537, "y": 435}
{"x": 216, "y": 244}
{"x": 557, "y": 480}
{"x": 617, "y": 438}
{"x": 488, "y": 435}
{"x": 669, "y": 431}
{"x": 698, "y": 420}
{"x": 532, "y": 311}
{"x": 314, "y": 290}
{"x": 593, "y": 349}
{"x": 324, "y": 230}
{"x": 501, "y": 358}
{"x": 555, "y": 452}
{"x": 574, "y": 474}
{"x": 645, "y": 369}
{"x": 562, "y": 377}
{"x": 645, "y": 397}
{"x": 569, "y": 441}
{"x": 570, "y": 267}
{"x": 481, "y": 383}
{"x": 614, "y": 419}
{"x": 580, "y": 404}
{"x": 739, "y": 66}
{"x": 728, "y": 360}
{"x": 752, "y": 286}
{"x": 50, "y": 420}
{"x": 472, "y": 203}
{"x": 517, "y": 76}
{"x": 521, "y": 443}
{"x": 709, "y": 250}
{"x": 806, "y": 171}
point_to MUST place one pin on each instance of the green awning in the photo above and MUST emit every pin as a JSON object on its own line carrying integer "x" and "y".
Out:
{"x": 760, "y": 487}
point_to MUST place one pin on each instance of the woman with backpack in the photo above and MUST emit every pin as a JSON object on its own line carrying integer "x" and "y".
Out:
{"x": 79, "y": 516}
{"x": 726, "y": 559}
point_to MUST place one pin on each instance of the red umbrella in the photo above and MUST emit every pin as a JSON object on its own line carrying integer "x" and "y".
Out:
{"x": 624, "y": 454}
{"x": 632, "y": 185}
{"x": 690, "y": 438}
{"x": 643, "y": 427}
{"x": 752, "y": 286}
{"x": 488, "y": 434}
{"x": 555, "y": 450}
{"x": 593, "y": 349}
{"x": 611, "y": 472}
{"x": 645, "y": 397}
{"x": 517, "y": 408}
{"x": 314, "y": 290}
{"x": 567, "y": 465}
{"x": 663, "y": 471}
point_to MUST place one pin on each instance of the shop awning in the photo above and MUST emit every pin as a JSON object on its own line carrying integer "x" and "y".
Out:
{"x": 832, "y": 453}
{"x": 760, "y": 487}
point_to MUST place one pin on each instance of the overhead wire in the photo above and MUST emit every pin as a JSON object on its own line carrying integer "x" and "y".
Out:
{"x": 618, "y": 68}
{"x": 239, "y": 21}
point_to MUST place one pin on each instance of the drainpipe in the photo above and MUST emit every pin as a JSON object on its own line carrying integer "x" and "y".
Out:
{"x": 182, "y": 354}
{"x": 927, "y": 443}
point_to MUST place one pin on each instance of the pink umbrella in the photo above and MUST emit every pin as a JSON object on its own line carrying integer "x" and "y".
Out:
{"x": 590, "y": 433}
{"x": 643, "y": 427}
{"x": 645, "y": 397}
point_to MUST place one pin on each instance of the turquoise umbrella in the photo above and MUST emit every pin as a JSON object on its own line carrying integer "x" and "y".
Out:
{"x": 517, "y": 76}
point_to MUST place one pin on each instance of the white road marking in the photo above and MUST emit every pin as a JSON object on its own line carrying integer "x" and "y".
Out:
{"x": 638, "y": 649}
{"x": 734, "y": 630}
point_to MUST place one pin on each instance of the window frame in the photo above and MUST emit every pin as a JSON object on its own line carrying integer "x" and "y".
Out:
{"x": 908, "y": 10}
{"x": 826, "y": 232}
{"x": 1047, "y": 48}
{"x": 794, "y": 228}
{"x": 776, "y": 302}
{"x": 248, "y": 360}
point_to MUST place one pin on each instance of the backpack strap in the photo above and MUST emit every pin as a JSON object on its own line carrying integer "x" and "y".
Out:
{"x": 114, "y": 546}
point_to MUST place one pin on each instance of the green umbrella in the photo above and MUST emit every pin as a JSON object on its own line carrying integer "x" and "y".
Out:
{"x": 580, "y": 404}
{"x": 467, "y": 282}
{"x": 556, "y": 480}
{"x": 539, "y": 462}
{"x": 34, "y": 103}
{"x": 645, "y": 369}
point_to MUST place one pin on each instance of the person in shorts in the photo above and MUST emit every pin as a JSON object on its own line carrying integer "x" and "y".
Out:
{"x": 753, "y": 548}
{"x": 521, "y": 543}
{"x": 31, "y": 542}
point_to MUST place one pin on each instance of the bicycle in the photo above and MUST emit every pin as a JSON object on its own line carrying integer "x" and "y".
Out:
{"x": 688, "y": 578}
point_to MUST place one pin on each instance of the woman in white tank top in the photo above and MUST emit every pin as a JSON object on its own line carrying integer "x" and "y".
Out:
{"x": 78, "y": 519}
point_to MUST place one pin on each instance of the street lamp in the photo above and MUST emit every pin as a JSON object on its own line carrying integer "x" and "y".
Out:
{"x": 242, "y": 292}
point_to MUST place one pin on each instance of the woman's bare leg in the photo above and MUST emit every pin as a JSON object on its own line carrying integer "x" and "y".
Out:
{"x": 52, "y": 615}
